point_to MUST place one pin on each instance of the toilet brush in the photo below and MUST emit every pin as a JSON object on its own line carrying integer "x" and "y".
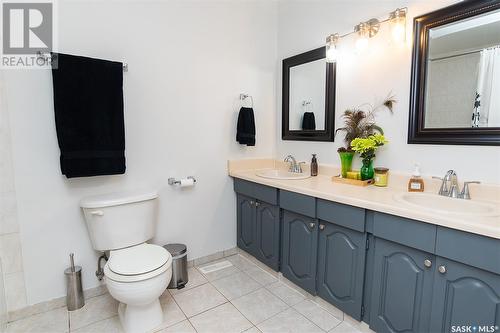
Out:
{"x": 74, "y": 296}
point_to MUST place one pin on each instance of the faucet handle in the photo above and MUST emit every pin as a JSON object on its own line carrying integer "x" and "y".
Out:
{"x": 299, "y": 166}
{"x": 443, "y": 190}
{"x": 465, "y": 194}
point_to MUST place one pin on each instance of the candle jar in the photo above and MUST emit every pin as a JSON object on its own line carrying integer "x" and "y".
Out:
{"x": 381, "y": 175}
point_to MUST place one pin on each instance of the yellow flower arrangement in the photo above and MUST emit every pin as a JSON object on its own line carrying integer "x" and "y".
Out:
{"x": 366, "y": 147}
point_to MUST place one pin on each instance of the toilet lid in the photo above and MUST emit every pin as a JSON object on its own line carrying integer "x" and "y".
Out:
{"x": 139, "y": 259}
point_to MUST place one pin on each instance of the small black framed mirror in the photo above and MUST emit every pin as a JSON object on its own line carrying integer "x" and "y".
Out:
{"x": 308, "y": 99}
{"x": 455, "y": 84}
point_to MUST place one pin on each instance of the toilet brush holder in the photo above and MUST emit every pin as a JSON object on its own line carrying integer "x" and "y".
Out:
{"x": 74, "y": 296}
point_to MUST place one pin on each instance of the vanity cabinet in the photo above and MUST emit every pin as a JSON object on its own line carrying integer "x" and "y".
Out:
{"x": 268, "y": 234}
{"x": 341, "y": 267}
{"x": 258, "y": 229}
{"x": 246, "y": 226}
{"x": 401, "y": 288}
{"x": 464, "y": 296}
{"x": 299, "y": 250}
{"x": 396, "y": 274}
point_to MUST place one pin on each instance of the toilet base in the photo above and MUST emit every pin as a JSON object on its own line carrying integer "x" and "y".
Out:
{"x": 140, "y": 319}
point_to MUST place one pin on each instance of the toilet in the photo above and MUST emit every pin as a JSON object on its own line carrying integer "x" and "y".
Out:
{"x": 136, "y": 273}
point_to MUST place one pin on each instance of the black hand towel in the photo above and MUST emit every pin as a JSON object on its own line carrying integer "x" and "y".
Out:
{"x": 88, "y": 106}
{"x": 309, "y": 121}
{"x": 246, "y": 127}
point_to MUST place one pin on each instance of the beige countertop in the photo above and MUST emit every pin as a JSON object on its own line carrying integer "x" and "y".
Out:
{"x": 381, "y": 199}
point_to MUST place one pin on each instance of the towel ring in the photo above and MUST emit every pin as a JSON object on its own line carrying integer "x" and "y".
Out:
{"x": 307, "y": 106}
{"x": 245, "y": 96}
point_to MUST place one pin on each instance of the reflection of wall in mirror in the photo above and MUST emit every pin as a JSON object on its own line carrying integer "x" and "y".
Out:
{"x": 307, "y": 93}
{"x": 451, "y": 90}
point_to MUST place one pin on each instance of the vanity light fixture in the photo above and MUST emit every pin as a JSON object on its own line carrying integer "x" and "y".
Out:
{"x": 331, "y": 48}
{"x": 397, "y": 20}
{"x": 369, "y": 29}
{"x": 366, "y": 30}
{"x": 363, "y": 35}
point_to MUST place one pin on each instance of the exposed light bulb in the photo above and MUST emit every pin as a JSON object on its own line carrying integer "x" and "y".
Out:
{"x": 361, "y": 43}
{"x": 398, "y": 33}
{"x": 363, "y": 31}
{"x": 397, "y": 20}
{"x": 331, "y": 48}
{"x": 332, "y": 54}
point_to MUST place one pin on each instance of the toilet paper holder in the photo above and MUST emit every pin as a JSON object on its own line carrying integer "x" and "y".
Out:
{"x": 173, "y": 181}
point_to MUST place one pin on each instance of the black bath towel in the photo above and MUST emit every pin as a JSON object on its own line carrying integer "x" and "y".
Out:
{"x": 309, "y": 121}
{"x": 88, "y": 106}
{"x": 246, "y": 127}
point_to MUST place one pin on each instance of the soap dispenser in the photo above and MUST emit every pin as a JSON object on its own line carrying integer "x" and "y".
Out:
{"x": 314, "y": 166}
{"x": 416, "y": 183}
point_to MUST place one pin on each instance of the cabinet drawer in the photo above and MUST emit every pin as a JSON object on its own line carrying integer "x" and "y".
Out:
{"x": 298, "y": 203}
{"x": 343, "y": 215}
{"x": 474, "y": 250}
{"x": 419, "y": 235}
{"x": 257, "y": 191}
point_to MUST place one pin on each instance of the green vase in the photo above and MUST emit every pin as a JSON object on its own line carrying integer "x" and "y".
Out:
{"x": 346, "y": 162}
{"x": 366, "y": 170}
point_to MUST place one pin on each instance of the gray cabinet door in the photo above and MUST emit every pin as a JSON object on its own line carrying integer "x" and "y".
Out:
{"x": 300, "y": 242}
{"x": 464, "y": 296}
{"x": 401, "y": 290}
{"x": 246, "y": 226}
{"x": 341, "y": 267}
{"x": 268, "y": 234}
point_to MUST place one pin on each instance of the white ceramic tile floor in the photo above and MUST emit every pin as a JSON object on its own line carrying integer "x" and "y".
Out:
{"x": 242, "y": 298}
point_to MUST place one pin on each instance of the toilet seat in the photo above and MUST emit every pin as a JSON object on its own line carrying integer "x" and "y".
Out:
{"x": 137, "y": 263}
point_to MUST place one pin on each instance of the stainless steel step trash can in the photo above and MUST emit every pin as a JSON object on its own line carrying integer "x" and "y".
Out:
{"x": 179, "y": 265}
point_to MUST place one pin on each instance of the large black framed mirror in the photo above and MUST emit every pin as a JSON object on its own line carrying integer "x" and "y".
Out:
{"x": 455, "y": 82}
{"x": 308, "y": 106}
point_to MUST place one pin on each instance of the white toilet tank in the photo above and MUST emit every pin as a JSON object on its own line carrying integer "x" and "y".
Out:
{"x": 119, "y": 220}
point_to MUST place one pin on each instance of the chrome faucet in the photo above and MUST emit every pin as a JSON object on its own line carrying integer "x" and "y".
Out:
{"x": 449, "y": 186}
{"x": 465, "y": 191}
{"x": 294, "y": 166}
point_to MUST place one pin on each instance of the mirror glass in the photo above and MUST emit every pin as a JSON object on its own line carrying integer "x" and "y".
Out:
{"x": 463, "y": 74}
{"x": 307, "y": 96}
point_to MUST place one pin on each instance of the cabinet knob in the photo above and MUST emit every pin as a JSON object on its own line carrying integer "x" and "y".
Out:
{"x": 311, "y": 225}
{"x": 427, "y": 263}
{"x": 442, "y": 269}
{"x": 321, "y": 227}
{"x": 251, "y": 203}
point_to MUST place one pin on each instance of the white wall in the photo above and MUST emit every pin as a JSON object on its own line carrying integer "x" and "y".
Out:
{"x": 10, "y": 241}
{"x": 188, "y": 62}
{"x": 369, "y": 77}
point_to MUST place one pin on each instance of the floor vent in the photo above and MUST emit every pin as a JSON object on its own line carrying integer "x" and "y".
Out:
{"x": 215, "y": 267}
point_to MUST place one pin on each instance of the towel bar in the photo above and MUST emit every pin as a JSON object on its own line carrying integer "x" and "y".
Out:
{"x": 44, "y": 56}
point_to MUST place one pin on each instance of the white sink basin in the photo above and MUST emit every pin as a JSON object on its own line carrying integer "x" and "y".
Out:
{"x": 445, "y": 205}
{"x": 281, "y": 174}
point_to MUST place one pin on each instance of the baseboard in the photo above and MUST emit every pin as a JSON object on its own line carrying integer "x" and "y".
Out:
{"x": 60, "y": 302}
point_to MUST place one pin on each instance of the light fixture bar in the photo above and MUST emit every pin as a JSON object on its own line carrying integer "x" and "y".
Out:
{"x": 371, "y": 27}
